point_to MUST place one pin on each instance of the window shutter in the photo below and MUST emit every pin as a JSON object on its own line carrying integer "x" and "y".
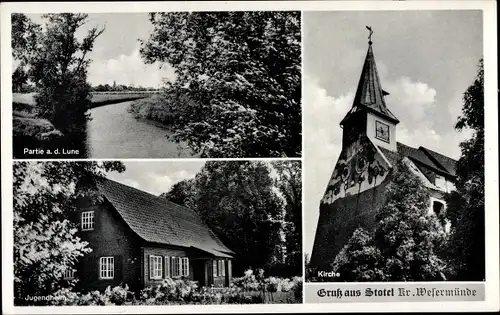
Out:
{"x": 179, "y": 266}
{"x": 214, "y": 267}
{"x": 150, "y": 267}
{"x": 187, "y": 266}
{"x": 223, "y": 263}
{"x": 166, "y": 266}
{"x": 171, "y": 267}
{"x": 229, "y": 269}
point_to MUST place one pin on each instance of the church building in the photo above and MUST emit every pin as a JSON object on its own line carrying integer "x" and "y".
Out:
{"x": 369, "y": 150}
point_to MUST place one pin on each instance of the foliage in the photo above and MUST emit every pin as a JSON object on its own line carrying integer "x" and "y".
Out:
{"x": 45, "y": 241}
{"x": 360, "y": 259}
{"x": 118, "y": 295}
{"x": 466, "y": 204}
{"x": 252, "y": 282}
{"x": 289, "y": 183}
{"x": 56, "y": 62}
{"x": 238, "y": 201}
{"x": 241, "y": 73}
{"x": 406, "y": 243}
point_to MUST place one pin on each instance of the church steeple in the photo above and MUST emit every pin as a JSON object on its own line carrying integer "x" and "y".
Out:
{"x": 369, "y": 114}
{"x": 369, "y": 94}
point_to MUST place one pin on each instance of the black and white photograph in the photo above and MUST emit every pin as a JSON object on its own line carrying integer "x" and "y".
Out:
{"x": 157, "y": 232}
{"x": 156, "y": 85}
{"x": 394, "y": 186}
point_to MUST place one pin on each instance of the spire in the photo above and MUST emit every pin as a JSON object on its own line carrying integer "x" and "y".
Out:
{"x": 369, "y": 94}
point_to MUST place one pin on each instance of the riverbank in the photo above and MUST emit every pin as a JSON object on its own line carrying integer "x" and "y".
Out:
{"x": 98, "y": 98}
{"x": 155, "y": 108}
{"x": 35, "y": 137}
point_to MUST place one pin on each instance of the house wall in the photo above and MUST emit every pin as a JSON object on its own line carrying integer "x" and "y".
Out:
{"x": 110, "y": 237}
{"x": 162, "y": 251}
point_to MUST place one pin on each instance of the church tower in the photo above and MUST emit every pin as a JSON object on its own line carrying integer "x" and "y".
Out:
{"x": 358, "y": 184}
{"x": 369, "y": 114}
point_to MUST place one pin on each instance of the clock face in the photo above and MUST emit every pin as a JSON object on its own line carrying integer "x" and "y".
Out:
{"x": 381, "y": 131}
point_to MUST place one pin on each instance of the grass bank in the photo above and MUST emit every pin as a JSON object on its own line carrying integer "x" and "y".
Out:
{"x": 98, "y": 98}
{"x": 154, "y": 108}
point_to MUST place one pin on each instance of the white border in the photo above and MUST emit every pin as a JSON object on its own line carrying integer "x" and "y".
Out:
{"x": 491, "y": 158}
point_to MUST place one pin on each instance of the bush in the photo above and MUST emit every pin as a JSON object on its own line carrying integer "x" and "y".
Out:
{"x": 249, "y": 289}
{"x": 112, "y": 296}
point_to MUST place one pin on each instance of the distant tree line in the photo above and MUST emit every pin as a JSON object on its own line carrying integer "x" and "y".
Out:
{"x": 120, "y": 87}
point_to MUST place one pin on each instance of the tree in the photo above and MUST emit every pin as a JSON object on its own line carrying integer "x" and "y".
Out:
{"x": 181, "y": 193}
{"x": 59, "y": 70}
{"x": 242, "y": 73}
{"x": 24, "y": 43}
{"x": 466, "y": 204}
{"x": 19, "y": 79}
{"x": 289, "y": 183}
{"x": 45, "y": 241}
{"x": 238, "y": 202}
{"x": 407, "y": 241}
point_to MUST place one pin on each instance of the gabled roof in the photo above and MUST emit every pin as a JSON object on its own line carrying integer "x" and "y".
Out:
{"x": 369, "y": 94}
{"x": 158, "y": 220}
{"x": 423, "y": 157}
{"x": 445, "y": 162}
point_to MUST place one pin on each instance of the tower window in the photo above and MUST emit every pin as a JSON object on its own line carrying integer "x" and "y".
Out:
{"x": 381, "y": 131}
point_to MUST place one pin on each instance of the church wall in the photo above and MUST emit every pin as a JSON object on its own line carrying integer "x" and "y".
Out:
{"x": 338, "y": 220}
{"x": 370, "y": 132}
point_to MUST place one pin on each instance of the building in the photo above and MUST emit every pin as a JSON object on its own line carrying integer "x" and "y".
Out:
{"x": 139, "y": 239}
{"x": 369, "y": 151}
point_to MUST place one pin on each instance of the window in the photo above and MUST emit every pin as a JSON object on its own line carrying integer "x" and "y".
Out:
{"x": 87, "y": 220}
{"x": 155, "y": 267}
{"x": 219, "y": 268}
{"x": 69, "y": 274}
{"x": 107, "y": 268}
{"x": 185, "y": 266}
{"x": 175, "y": 266}
{"x": 382, "y": 131}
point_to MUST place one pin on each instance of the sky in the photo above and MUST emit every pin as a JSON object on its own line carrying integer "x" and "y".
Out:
{"x": 156, "y": 176}
{"x": 425, "y": 59}
{"x": 115, "y": 56}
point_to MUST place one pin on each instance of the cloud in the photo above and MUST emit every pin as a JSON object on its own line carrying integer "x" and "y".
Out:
{"x": 129, "y": 70}
{"x": 156, "y": 177}
{"x": 322, "y": 146}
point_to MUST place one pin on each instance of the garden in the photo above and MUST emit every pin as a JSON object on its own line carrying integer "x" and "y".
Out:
{"x": 249, "y": 289}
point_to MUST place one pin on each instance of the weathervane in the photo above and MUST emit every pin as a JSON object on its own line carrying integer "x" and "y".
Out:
{"x": 369, "y": 36}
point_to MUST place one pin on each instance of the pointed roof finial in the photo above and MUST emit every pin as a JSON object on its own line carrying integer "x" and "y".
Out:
{"x": 369, "y": 94}
{"x": 369, "y": 36}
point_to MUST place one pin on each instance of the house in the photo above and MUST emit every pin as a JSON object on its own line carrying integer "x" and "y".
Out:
{"x": 369, "y": 150}
{"x": 139, "y": 239}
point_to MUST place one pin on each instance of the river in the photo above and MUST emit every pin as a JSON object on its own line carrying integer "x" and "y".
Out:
{"x": 113, "y": 132}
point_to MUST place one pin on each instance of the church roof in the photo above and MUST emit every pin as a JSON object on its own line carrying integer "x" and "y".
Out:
{"x": 432, "y": 160}
{"x": 158, "y": 220}
{"x": 369, "y": 94}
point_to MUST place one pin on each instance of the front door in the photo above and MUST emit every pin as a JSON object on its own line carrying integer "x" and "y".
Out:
{"x": 199, "y": 272}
